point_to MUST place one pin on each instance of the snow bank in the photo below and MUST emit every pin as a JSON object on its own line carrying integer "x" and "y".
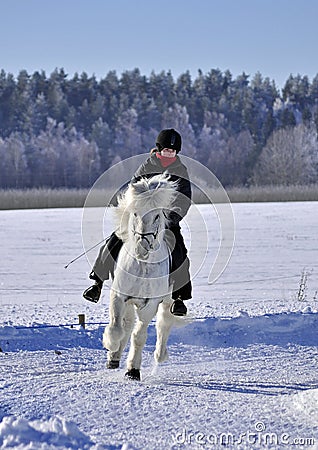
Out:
{"x": 274, "y": 329}
{"x": 54, "y": 433}
{"x": 307, "y": 403}
{"x": 46, "y": 337}
{"x": 42, "y": 434}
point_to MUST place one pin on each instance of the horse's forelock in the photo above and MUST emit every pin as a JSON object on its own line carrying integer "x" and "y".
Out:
{"x": 155, "y": 192}
{"x": 142, "y": 196}
{"x": 153, "y": 183}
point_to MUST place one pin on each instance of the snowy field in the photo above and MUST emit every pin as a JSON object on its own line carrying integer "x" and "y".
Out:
{"x": 243, "y": 374}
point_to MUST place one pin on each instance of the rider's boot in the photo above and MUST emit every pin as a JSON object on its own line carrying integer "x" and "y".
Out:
{"x": 178, "y": 308}
{"x": 93, "y": 293}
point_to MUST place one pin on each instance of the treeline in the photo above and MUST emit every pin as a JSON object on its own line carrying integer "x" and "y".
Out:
{"x": 57, "y": 131}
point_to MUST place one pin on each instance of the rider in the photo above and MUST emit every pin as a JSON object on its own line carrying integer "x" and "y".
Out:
{"x": 163, "y": 158}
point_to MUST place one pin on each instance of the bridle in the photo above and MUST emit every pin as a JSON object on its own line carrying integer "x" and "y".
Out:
{"x": 154, "y": 234}
{"x": 144, "y": 235}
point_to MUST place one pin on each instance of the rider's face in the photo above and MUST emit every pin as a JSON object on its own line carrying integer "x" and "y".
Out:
{"x": 168, "y": 152}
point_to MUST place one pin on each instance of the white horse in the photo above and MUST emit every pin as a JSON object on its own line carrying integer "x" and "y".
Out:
{"x": 141, "y": 287}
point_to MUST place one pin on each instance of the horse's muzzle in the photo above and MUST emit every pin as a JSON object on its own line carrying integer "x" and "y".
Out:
{"x": 143, "y": 248}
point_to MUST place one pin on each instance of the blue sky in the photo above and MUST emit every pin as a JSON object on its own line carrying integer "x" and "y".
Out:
{"x": 275, "y": 37}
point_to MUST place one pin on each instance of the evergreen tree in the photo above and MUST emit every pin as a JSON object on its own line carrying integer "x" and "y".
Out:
{"x": 45, "y": 118}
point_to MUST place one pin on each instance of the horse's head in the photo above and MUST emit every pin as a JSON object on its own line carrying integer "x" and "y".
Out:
{"x": 143, "y": 213}
{"x": 147, "y": 231}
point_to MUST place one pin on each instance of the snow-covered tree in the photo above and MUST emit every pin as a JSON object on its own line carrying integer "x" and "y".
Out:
{"x": 289, "y": 157}
{"x": 13, "y": 162}
{"x": 177, "y": 117}
{"x": 128, "y": 135}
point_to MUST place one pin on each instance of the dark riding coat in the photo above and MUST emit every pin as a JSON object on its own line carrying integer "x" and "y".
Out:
{"x": 178, "y": 172}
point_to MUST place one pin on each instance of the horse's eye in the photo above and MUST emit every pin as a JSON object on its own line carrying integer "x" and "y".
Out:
{"x": 156, "y": 218}
{"x": 135, "y": 214}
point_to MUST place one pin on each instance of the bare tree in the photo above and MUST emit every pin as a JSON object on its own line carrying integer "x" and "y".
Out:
{"x": 13, "y": 165}
{"x": 288, "y": 158}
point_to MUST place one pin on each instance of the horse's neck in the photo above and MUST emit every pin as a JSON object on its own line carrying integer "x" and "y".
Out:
{"x": 154, "y": 261}
{"x": 142, "y": 279}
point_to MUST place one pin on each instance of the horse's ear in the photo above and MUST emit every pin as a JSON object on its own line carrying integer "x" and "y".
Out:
{"x": 158, "y": 181}
{"x": 137, "y": 187}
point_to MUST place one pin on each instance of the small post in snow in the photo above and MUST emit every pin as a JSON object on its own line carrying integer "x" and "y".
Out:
{"x": 81, "y": 320}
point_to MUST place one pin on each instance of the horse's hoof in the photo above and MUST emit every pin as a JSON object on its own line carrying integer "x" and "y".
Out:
{"x": 133, "y": 374}
{"x": 112, "y": 364}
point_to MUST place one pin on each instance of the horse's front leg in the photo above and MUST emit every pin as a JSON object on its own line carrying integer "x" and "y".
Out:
{"x": 139, "y": 337}
{"x": 114, "y": 332}
{"x": 164, "y": 323}
{"x": 113, "y": 358}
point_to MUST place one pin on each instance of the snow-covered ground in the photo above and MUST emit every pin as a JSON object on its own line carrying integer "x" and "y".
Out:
{"x": 243, "y": 374}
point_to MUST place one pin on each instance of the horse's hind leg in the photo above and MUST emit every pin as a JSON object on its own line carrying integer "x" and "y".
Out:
{"x": 164, "y": 324}
{"x": 113, "y": 358}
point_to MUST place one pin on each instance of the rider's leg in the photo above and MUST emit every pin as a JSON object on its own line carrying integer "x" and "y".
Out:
{"x": 103, "y": 267}
{"x": 180, "y": 275}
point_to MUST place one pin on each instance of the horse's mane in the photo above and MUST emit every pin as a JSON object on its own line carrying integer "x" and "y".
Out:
{"x": 142, "y": 196}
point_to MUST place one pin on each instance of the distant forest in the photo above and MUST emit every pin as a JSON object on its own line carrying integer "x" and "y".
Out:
{"x": 57, "y": 131}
